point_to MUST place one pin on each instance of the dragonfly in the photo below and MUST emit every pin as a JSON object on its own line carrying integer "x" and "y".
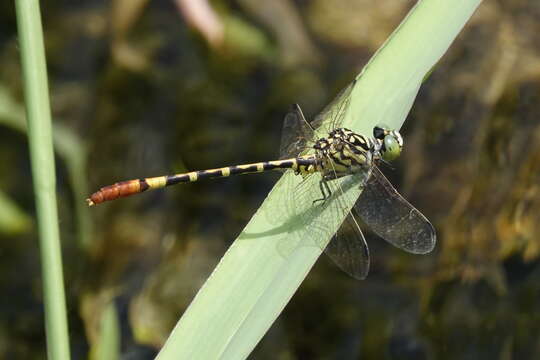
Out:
{"x": 322, "y": 153}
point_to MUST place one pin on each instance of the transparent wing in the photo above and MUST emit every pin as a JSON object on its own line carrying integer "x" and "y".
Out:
{"x": 333, "y": 114}
{"x": 348, "y": 249}
{"x": 391, "y": 217}
{"x": 296, "y": 134}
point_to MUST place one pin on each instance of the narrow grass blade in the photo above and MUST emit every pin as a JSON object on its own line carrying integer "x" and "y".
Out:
{"x": 108, "y": 345}
{"x": 43, "y": 173}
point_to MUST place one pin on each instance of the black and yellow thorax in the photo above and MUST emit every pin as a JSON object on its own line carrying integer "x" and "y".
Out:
{"x": 342, "y": 152}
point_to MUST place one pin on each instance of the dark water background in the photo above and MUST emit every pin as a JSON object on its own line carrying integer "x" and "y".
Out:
{"x": 138, "y": 89}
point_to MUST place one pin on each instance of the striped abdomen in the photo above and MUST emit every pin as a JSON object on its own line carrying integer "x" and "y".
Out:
{"x": 126, "y": 188}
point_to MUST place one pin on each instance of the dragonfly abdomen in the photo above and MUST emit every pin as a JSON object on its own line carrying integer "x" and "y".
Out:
{"x": 123, "y": 189}
{"x": 131, "y": 187}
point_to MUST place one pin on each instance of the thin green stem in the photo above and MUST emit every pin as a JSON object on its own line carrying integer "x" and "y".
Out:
{"x": 43, "y": 171}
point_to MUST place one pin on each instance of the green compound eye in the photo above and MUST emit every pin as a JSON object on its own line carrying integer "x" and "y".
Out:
{"x": 391, "y": 148}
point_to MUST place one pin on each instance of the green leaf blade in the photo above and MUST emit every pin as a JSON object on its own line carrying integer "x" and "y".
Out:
{"x": 256, "y": 278}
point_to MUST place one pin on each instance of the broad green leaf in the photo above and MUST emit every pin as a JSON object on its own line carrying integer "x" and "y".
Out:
{"x": 267, "y": 263}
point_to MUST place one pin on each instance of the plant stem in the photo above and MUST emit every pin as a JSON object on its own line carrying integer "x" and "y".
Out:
{"x": 43, "y": 172}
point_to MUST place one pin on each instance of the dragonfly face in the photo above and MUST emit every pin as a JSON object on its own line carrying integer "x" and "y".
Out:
{"x": 389, "y": 142}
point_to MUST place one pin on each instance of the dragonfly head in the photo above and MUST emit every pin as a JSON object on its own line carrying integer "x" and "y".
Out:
{"x": 390, "y": 142}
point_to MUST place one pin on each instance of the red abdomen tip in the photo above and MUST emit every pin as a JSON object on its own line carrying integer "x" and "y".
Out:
{"x": 115, "y": 191}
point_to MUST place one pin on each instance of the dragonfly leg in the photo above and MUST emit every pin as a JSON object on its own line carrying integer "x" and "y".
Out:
{"x": 325, "y": 191}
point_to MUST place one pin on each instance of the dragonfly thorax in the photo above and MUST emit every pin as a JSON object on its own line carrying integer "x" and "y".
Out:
{"x": 344, "y": 152}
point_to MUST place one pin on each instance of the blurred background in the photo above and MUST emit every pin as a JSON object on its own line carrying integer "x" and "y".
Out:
{"x": 145, "y": 88}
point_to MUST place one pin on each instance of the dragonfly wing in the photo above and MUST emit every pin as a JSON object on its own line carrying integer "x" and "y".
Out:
{"x": 391, "y": 217}
{"x": 298, "y": 132}
{"x": 331, "y": 117}
{"x": 295, "y": 135}
{"x": 348, "y": 249}
{"x": 318, "y": 220}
